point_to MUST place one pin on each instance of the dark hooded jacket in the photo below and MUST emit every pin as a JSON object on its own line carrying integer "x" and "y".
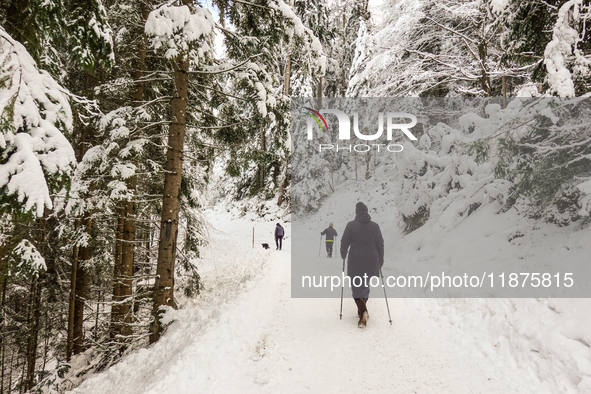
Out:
{"x": 330, "y": 234}
{"x": 363, "y": 241}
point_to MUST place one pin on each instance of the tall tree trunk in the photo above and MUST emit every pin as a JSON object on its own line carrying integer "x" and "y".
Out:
{"x": 3, "y": 253}
{"x": 115, "y": 327}
{"x": 81, "y": 295}
{"x": 33, "y": 339}
{"x": 23, "y": 384}
{"x": 97, "y": 314}
{"x": 284, "y": 183}
{"x": 125, "y": 250}
{"x": 319, "y": 93}
{"x": 70, "y": 337}
{"x": 35, "y": 311}
{"x": 262, "y": 165}
{"x": 129, "y": 226}
{"x": 2, "y": 341}
{"x": 78, "y": 285}
{"x": 164, "y": 284}
{"x": 284, "y": 167}
{"x": 484, "y": 78}
{"x": 504, "y": 90}
{"x": 287, "y": 75}
{"x": 126, "y": 289}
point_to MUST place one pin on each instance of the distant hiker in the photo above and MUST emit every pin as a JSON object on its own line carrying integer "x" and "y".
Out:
{"x": 363, "y": 241}
{"x": 330, "y": 234}
{"x": 279, "y": 232}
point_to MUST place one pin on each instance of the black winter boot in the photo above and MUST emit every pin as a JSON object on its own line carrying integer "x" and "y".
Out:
{"x": 361, "y": 306}
{"x": 362, "y": 312}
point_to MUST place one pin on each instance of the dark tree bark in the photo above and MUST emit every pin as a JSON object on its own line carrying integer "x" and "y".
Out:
{"x": 2, "y": 341}
{"x": 283, "y": 165}
{"x": 33, "y": 339}
{"x": 319, "y": 93}
{"x": 125, "y": 251}
{"x": 35, "y": 306}
{"x": 78, "y": 277}
{"x": 164, "y": 284}
{"x": 70, "y": 337}
{"x": 115, "y": 327}
{"x": 81, "y": 296}
{"x": 504, "y": 90}
{"x": 126, "y": 282}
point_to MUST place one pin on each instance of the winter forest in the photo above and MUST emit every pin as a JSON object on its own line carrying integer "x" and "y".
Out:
{"x": 125, "y": 123}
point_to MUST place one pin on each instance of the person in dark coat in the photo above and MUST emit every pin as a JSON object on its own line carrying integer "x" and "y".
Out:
{"x": 279, "y": 232}
{"x": 363, "y": 242}
{"x": 330, "y": 233}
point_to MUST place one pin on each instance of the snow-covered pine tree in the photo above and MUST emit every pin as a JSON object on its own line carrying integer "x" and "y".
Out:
{"x": 345, "y": 17}
{"x": 37, "y": 160}
{"x": 49, "y": 31}
{"x": 47, "y": 27}
{"x": 434, "y": 49}
{"x": 184, "y": 35}
{"x": 266, "y": 36}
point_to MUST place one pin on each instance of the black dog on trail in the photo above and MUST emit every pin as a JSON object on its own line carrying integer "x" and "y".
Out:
{"x": 266, "y": 246}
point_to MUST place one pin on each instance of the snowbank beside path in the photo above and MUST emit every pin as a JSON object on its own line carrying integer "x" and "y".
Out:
{"x": 547, "y": 342}
{"x": 547, "y": 339}
{"x": 229, "y": 268}
{"x": 544, "y": 340}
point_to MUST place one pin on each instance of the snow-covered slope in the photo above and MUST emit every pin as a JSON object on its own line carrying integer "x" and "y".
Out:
{"x": 546, "y": 341}
{"x": 246, "y": 334}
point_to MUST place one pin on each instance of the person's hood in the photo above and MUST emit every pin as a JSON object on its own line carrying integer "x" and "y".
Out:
{"x": 361, "y": 213}
{"x": 360, "y": 208}
{"x": 363, "y": 217}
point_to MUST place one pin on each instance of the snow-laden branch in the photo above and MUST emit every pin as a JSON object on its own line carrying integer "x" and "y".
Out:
{"x": 559, "y": 51}
{"x": 226, "y": 70}
{"x": 34, "y": 112}
{"x": 465, "y": 37}
{"x": 180, "y": 32}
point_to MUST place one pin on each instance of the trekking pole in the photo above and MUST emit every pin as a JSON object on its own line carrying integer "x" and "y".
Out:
{"x": 320, "y": 245}
{"x": 342, "y": 290}
{"x": 385, "y": 296}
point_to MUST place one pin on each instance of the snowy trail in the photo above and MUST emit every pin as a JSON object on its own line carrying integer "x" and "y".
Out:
{"x": 260, "y": 340}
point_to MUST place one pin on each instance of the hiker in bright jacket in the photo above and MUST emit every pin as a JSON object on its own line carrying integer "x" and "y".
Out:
{"x": 279, "y": 232}
{"x": 330, "y": 233}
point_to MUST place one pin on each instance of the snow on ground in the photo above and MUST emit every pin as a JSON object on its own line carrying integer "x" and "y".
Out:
{"x": 245, "y": 334}
{"x": 543, "y": 344}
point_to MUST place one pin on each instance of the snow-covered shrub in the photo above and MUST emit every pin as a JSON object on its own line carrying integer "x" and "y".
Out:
{"x": 530, "y": 155}
{"x": 451, "y": 172}
{"x": 546, "y": 155}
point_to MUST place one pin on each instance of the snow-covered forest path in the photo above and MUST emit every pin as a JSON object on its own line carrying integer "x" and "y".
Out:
{"x": 257, "y": 339}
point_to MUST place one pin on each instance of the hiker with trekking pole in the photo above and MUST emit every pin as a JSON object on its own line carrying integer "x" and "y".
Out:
{"x": 363, "y": 243}
{"x": 331, "y": 235}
